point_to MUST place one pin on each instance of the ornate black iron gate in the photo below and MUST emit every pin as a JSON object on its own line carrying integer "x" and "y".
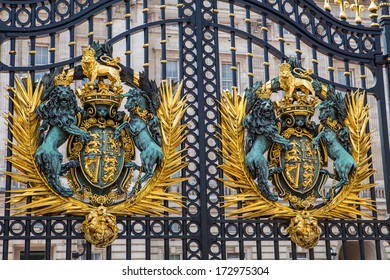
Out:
{"x": 211, "y": 45}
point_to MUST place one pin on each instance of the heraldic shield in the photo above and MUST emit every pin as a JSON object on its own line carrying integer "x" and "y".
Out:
{"x": 117, "y": 162}
{"x": 277, "y": 142}
{"x": 301, "y": 174}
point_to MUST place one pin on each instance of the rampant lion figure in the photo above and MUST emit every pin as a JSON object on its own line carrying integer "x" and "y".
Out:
{"x": 143, "y": 126}
{"x": 58, "y": 112}
{"x": 261, "y": 124}
{"x": 335, "y": 136}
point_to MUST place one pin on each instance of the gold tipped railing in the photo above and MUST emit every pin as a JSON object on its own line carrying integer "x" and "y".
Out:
{"x": 356, "y": 7}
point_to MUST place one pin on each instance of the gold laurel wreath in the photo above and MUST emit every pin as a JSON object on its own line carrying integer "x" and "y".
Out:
{"x": 347, "y": 204}
{"x": 24, "y": 124}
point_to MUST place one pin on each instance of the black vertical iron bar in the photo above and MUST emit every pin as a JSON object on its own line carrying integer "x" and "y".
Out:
{"x": 281, "y": 38}
{"x": 330, "y": 67}
{"x": 145, "y": 12}
{"x": 109, "y": 22}
{"x": 184, "y": 193}
{"x": 166, "y": 240}
{"x": 52, "y": 49}
{"x": 33, "y": 14}
{"x": 249, "y": 53}
{"x": 276, "y": 241}
{"x": 147, "y": 240}
{"x": 344, "y": 242}
{"x": 259, "y": 254}
{"x": 72, "y": 43}
{"x": 264, "y": 29}
{"x": 293, "y": 251}
{"x": 218, "y": 96}
{"x": 233, "y": 48}
{"x": 32, "y": 56}
{"x": 311, "y": 254}
{"x": 382, "y": 107}
{"x": 27, "y": 242}
{"x": 71, "y": 8}
{"x": 88, "y": 251}
{"x": 314, "y": 60}
{"x": 347, "y": 74}
{"x": 128, "y": 37}
{"x": 163, "y": 41}
{"x": 47, "y": 240}
{"x": 361, "y": 242}
{"x": 241, "y": 240}
{"x": 90, "y": 30}
{"x": 327, "y": 241}
{"x": 8, "y": 168}
{"x": 52, "y": 11}
{"x": 371, "y": 179}
{"x": 128, "y": 240}
{"x": 68, "y": 245}
{"x": 298, "y": 50}
{"x": 204, "y": 214}
{"x": 109, "y": 253}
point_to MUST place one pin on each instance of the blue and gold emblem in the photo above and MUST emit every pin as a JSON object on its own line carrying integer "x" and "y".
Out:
{"x": 116, "y": 162}
{"x": 285, "y": 164}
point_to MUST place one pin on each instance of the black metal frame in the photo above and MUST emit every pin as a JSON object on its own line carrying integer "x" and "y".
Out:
{"x": 199, "y": 27}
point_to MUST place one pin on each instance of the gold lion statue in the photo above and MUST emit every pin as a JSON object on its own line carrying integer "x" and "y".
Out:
{"x": 93, "y": 69}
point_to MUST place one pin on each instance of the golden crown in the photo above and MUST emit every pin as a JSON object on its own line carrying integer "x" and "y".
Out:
{"x": 64, "y": 79}
{"x": 101, "y": 93}
{"x": 285, "y": 67}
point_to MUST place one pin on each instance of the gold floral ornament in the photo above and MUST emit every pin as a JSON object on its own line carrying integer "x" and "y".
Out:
{"x": 302, "y": 210}
{"x": 99, "y": 226}
{"x": 304, "y": 230}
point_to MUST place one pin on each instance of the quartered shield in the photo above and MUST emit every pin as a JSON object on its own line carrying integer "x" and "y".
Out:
{"x": 301, "y": 165}
{"x": 102, "y": 158}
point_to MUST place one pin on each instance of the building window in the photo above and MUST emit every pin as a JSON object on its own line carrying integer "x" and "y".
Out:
{"x": 175, "y": 257}
{"x": 34, "y": 255}
{"x": 41, "y": 58}
{"x": 41, "y": 55}
{"x": 341, "y": 77}
{"x": 300, "y": 256}
{"x": 227, "y": 76}
{"x": 232, "y": 256}
{"x": 173, "y": 71}
{"x": 94, "y": 256}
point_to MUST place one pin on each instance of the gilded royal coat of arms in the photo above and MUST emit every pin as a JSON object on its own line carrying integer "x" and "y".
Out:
{"x": 116, "y": 162}
{"x": 280, "y": 153}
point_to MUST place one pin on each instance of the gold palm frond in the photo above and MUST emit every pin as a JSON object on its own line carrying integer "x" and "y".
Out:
{"x": 24, "y": 124}
{"x": 346, "y": 204}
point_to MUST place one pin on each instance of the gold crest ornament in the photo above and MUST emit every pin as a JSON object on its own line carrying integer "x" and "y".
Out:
{"x": 104, "y": 177}
{"x": 275, "y": 155}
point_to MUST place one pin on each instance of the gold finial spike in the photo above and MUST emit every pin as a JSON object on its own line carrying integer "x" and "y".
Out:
{"x": 343, "y": 5}
{"x": 373, "y": 8}
{"x": 327, "y": 6}
{"x": 358, "y": 9}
